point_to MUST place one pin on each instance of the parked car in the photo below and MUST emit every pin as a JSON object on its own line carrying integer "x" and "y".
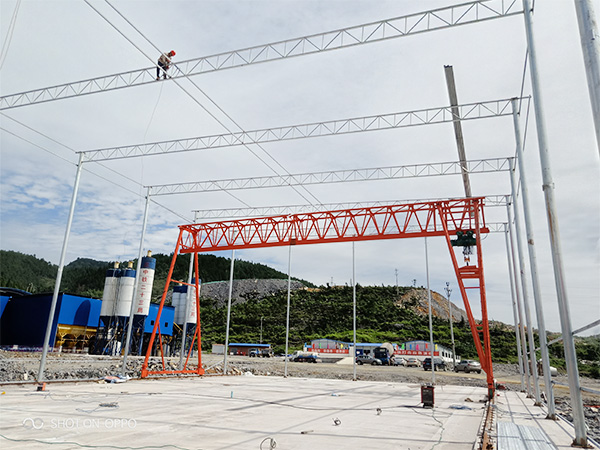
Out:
{"x": 468, "y": 365}
{"x": 367, "y": 359}
{"x": 440, "y": 364}
{"x": 413, "y": 362}
{"x": 399, "y": 361}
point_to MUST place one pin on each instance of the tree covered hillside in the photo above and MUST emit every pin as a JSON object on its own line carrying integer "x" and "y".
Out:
{"x": 85, "y": 276}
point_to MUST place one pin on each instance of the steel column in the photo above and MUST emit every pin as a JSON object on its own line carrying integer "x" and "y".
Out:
{"x": 518, "y": 291}
{"x": 354, "y": 311}
{"x": 590, "y": 44}
{"x": 553, "y": 230}
{"x": 61, "y": 265}
{"x": 430, "y": 320}
{"x": 136, "y": 286}
{"x": 523, "y": 271}
{"x": 537, "y": 293}
{"x": 448, "y": 291}
{"x": 226, "y": 353}
{"x": 514, "y": 305}
{"x": 287, "y": 317}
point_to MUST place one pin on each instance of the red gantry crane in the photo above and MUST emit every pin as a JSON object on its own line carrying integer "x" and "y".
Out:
{"x": 460, "y": 218}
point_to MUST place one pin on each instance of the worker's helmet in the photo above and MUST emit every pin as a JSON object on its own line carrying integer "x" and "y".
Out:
{"x": 172, "y": 52}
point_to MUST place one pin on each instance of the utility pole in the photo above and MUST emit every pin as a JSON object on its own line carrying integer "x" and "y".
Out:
{"x": 261, "y": 321}
{"x": 448, "y": 292}
{"x": 396, "y": 270}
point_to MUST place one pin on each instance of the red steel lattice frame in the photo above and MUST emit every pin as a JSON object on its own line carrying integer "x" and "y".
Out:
{"x": 440, "y": 218}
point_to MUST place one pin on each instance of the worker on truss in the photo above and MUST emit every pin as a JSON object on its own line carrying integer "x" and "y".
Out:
{"x": 163, "y": 63}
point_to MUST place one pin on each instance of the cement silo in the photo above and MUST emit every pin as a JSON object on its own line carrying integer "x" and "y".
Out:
{"x": 115, "y": 310}
{"x": 143, "y": 296}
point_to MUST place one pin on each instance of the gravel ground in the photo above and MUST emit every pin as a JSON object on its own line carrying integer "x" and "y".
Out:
{"x": 18, "y": 366}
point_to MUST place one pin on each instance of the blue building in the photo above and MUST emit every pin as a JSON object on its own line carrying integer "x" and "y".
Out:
{"x": 24, "y": 319}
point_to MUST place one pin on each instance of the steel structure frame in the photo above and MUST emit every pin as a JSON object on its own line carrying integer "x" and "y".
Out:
{"x": 427, "y": 116}
{"x": 426, "y": 219}
{"x": 336, "y": 176}
{"x": 447, "y": 17}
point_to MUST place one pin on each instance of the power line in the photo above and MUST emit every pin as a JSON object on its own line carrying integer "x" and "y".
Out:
{"x": 9, "y": 34}
{"x": 223, "y": 112}
{"x": 187, "y": 92}
{"x": 186, "y": 219}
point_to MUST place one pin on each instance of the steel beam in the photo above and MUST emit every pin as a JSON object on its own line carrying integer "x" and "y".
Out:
{"x": 260, "y": 211}
{"x": 437, "y": 19}
{"x": 335, "y": 176}
{"x": 428, "y": 116}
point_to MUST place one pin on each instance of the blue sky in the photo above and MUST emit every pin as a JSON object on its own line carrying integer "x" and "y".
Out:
{"x": 55, "y": 42}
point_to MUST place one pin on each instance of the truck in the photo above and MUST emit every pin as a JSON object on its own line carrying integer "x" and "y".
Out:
{"x": 385, "y": 354}
{"x": 261, "y": 353}
{"x": 302, "y": 356}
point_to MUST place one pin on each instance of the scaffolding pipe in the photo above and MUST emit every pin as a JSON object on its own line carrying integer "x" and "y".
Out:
{"x": 61, "y": 265}
{"x": 553, "y": 230}
{"x": 537, "y": 293}
{"x": 514, "y": 305}
{"x": 136, "y": 286}
{"x": 228, "y": 312}
{"x": 590, "y": 45}
{"x": 523, "y": 272}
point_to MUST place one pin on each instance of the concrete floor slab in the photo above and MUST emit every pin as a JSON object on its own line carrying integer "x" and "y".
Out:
{"x": 253, "y": 412}
{"x": 239, "y": 412}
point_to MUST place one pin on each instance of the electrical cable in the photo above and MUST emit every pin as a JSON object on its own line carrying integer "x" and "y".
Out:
{"x": 186, "y": 219}
{"x": 9, "y": 35}
{"x": 220, "y": 109}
{"x": 118, "y": 447}
{"x": 153, "y": 112}
{"x": 176, "y": 82}
{"x": 272, "y": 443}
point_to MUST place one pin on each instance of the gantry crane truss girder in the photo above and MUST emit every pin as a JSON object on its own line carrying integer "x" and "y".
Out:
{"x": 372, "y": 223}
{"x": 421, "y": 22}
{"x": 437, "y": 218}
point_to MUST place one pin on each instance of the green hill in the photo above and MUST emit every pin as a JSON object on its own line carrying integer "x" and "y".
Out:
{"x": 85, "y": 276}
